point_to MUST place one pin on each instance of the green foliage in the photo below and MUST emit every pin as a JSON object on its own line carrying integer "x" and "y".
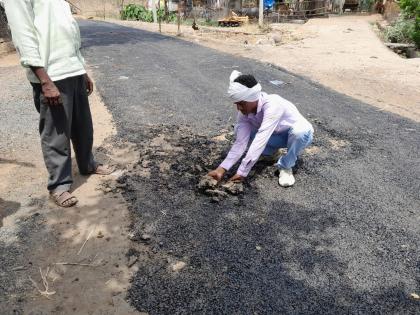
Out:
{"x": 401, "y": 31}
{"x": 171, "y": 17}
{"x": 411, "y": 18}
{"x": 136, "y": 12}
{"x": 140, "y": 13}
{"x": 411, "y": 8}
{"x": 208, "y": 22}
{"x": 416, "y": 34}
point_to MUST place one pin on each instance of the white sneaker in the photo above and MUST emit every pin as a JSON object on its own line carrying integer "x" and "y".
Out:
{"x": 286, "y": 177}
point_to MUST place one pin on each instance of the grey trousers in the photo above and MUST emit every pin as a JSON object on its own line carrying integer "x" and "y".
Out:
{"x": 62, "y": 123}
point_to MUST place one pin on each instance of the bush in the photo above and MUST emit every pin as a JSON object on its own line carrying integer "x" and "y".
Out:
{"x": 401, "y": 31}
{"x": 171, "y": 17}
{"x": 416, "y": 34}
{"x": 136, "y": 12}
{"x": 140, "y": 13}
{"x": 411, "y": 8}
{"x": 411, "y": 14}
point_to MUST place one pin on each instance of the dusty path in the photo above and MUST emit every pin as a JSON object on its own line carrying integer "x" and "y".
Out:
{"x": 342, "y": 53}
{"x": 344, "y": 240}
{"x": 35, "y": 234}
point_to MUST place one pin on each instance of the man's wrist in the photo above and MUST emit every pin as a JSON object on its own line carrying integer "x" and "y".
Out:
{"x": 42, "y": 75}
{"x": 242, "y": 174}
{"x": 45, "y": 81}
{"x": 222, "y": 169}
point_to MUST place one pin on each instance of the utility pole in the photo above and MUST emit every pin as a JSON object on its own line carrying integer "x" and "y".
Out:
{"x": 261, "y": 14}
{"x": 179, "y": 18}
{"x": 160, "y": 19}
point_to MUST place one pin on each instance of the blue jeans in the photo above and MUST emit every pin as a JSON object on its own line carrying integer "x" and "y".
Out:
{"x": 295, "y": 139}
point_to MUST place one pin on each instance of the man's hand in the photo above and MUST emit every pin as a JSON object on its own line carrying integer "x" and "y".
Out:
{"x": 236, "y": 178}
{"x": 49, "y": 90}
{"x": 51, "y": 93}
{"x": 89, "y": 84}
{"x": 217, "y": 174}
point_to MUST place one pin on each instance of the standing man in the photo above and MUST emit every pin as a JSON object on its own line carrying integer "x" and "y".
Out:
{"x": 47, "y": 38}
{"x": 267, "y": 122}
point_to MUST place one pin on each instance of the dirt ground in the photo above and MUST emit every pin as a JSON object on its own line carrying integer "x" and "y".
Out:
{"x": 82, "y": 250}
{"x": 343, "y": 53}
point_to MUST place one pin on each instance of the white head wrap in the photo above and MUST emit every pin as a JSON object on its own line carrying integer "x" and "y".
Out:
{"x": 238, "y": 92}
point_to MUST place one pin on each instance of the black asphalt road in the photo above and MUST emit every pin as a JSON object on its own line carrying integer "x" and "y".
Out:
{"x": 344, "y": 240}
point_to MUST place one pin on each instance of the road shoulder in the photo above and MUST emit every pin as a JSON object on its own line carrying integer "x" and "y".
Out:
{"x": 81, "y": 252}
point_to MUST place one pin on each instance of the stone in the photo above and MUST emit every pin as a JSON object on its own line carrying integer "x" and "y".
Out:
{"x": 234, "y": 188}
{"x": 277, "y": 39}
{"x": 178, "y": 266}
{"x": 215, "y": 193}
{"x": 206, "y": 182}
{"x": 107, "y": 189}
{"x": 415, "y": 296}
{"x": 145, "y": 237}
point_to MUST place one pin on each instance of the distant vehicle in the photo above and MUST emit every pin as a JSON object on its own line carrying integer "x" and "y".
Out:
{"x": 233, "y": 20}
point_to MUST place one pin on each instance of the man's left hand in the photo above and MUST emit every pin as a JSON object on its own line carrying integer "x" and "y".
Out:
{"x": 89, "y": 84}
{"x": 236, "y": 178}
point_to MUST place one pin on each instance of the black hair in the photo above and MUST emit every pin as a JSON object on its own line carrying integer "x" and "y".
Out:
{"x": 246, "y": 79}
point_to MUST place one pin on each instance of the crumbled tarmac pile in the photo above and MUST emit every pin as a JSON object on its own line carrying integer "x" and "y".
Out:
{"x": 234, "y": 188}
{"x": 210, "y": 187}
{"x": 206, "y": 183}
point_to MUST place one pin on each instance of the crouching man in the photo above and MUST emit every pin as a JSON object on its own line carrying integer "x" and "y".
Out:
{"x": 268, "y": 123}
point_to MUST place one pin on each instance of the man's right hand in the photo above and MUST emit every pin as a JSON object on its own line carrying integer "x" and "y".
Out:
{"x": 217, "y": 174}
{"x": 51, "y": 93}
{"x": 49, "y": 90}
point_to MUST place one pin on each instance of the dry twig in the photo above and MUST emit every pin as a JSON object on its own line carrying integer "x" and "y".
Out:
{"x": 81, "y": 248}
{"x": 19, "y": 268}
{"x": 77, "y": 264}
{"x": 46, "y": 293}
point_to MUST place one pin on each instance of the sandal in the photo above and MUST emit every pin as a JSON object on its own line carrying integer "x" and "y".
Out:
{"x": 103, "y": 170}
{"x": 64, "y": 199}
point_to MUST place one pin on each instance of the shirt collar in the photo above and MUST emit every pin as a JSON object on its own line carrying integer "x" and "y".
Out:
{"x": 259, "y": 106}
{"x": 260, "y": 103}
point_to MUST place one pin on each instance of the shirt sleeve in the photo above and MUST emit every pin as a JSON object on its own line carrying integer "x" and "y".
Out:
{"x": 270, "y": 120}
{"x": 243, "y": 133}
{"x": 79, "y": 44}
{"x": 20, "y": 16}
